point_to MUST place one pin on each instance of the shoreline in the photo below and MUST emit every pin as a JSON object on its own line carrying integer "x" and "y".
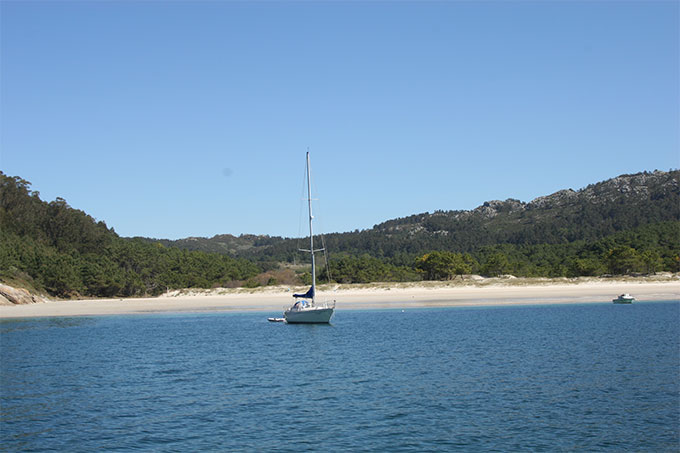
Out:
{"x": 505, "y": 292}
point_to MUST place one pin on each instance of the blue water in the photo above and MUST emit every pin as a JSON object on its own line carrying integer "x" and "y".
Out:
{"x": 592, "y": 377}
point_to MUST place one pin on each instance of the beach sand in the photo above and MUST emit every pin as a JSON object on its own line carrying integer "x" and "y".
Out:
{"x": 353, "y": 297}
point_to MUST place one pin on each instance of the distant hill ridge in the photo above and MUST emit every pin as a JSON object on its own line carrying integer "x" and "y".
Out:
{"x": 626, "y": 225}
{"x": 598, "y": 210}
{"x": 221, "y": 243}
{"x": 640, "y": 187}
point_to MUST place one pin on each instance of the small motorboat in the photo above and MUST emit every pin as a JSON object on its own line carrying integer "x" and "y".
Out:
{"x": 276, "y": 319}
{"x": 624, "y": 299}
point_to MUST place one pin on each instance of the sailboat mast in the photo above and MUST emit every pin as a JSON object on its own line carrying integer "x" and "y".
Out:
{"x": 311, "y": 233}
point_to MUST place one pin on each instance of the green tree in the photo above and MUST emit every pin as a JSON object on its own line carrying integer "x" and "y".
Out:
{"x": 623, "y": 260}
{"x": 60, "y": 276}
{"x": 444, "y": 265}
{"x": 651, "y": 261}
{"x": 437, "y": 265}
{"x": 497, "y": 264}
{"x": 470, "y": 265}
{"x": 586, "y": 267}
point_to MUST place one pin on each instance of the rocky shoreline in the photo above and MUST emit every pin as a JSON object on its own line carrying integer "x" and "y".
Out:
{"x": 18, "y": 296}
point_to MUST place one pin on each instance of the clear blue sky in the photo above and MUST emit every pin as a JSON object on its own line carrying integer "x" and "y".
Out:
{"x": 176, "y": 119}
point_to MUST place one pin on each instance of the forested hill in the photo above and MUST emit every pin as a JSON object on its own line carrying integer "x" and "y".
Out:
{"x": 629, "y": 224}
{"x": 243, "y": 245}
{"x": 55, "y": 248}
{"x": 620, "y": 204}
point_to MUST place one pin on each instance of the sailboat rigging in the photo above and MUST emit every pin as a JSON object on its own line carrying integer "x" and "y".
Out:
{"x": 305, "y": 309}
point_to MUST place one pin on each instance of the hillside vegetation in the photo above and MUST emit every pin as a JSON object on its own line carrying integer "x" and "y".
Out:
{"x": 54, "y": 248}
{"x": 625, "y": 225}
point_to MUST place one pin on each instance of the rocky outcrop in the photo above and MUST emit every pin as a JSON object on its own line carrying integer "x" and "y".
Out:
{"x": 561, "y": 198}
{"x": 492, "y": 208}
{"x": 17, "y": 296}
{"x": 640, "y": 187}
{"x": 628, "y": 188}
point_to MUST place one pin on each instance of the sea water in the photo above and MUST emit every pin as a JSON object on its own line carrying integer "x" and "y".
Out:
{"x": 590, "y": 377}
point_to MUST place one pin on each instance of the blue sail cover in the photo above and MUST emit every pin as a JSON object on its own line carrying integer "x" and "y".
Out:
{"x": 308, "y": 295}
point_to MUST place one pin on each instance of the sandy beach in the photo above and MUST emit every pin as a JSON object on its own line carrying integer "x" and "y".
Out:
{"x": 353, "y": 297}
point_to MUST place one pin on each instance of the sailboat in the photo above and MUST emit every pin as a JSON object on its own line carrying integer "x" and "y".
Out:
{"x": 305, "y": 308}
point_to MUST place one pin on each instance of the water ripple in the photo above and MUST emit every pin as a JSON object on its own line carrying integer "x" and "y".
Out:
{"x": 553, "y": 378}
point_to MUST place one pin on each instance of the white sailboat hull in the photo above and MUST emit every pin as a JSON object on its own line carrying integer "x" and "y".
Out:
{"x": 310, "y": 315}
